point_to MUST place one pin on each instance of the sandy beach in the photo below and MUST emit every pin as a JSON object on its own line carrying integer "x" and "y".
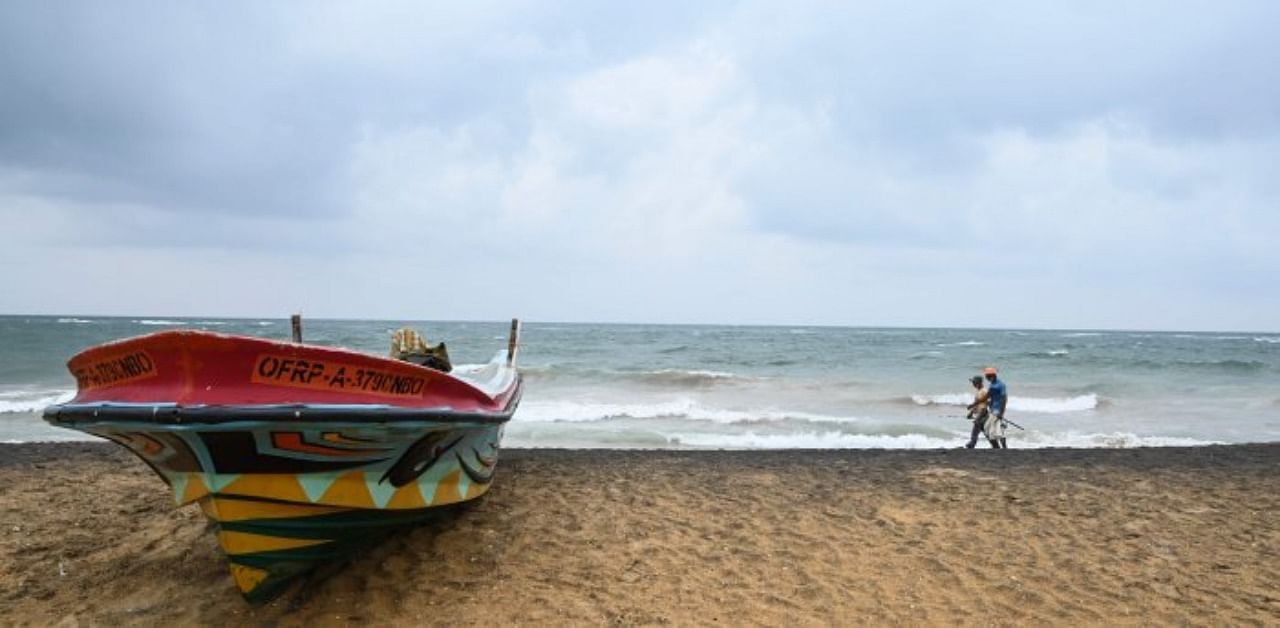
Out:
{"x": 1166, "y": 535}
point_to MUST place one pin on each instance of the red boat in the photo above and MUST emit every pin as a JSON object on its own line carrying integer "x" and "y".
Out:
{"x": 299, "y": 453}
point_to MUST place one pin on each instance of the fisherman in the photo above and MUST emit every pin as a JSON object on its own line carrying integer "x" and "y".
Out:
{"x": 977, "y": 412}
{"x": 997, "y": 399}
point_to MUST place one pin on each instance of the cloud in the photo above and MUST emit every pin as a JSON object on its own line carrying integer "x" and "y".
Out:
{"x": 1085, "y": 165}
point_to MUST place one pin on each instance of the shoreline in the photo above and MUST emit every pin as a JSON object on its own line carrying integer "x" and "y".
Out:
{"x": 1056, "y": 536}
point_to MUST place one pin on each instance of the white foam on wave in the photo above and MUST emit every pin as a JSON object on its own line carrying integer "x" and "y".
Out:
{"x": 927, "y": 354}
{"x": 155, "y": 321}
{"x": 77, "y": 321}
{"x": 211, "y": 323}
{"x": 963, "y": 343}
{"x": 1082, "y": 334}
{"x": 950, "y": 399}
{"x": 32, "y": 400}
{"x": 1111, "y": 440}
{"x": 709, "y": 374}
{"x": 687, "y": 409}
{"x": 807, "y": 440}
{"x": 1047, "y": 405}
{"x": 692, "y": 438}
{"x": 1274, "y": 340}
{"x": 668, "y": 378}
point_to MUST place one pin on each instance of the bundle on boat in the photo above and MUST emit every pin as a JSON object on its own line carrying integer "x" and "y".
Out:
{"x": 300, "y": 454}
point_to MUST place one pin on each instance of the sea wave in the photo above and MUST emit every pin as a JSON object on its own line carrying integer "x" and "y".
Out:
{"x": 1231, "y": 366}
{"x": 686, "y": 409}
{"x": 963, "y": 343}
{"x": 662, "y": 378}
{"x": 154, "y": 321}
{"x": 77, "y": 321}
{"x": 807, "y": 440}
{"x": 1051, "y": 353}
{"x": 1274, "y": 340}
{"x": 534, "y": 435}
{"x": 1045, "y": 405}
{"x": 844, "y": 440}
{"x": 1108, "y": 440}
{"x": 927, "y": 355}
{"x": 1083, "y": 334}
{"x": 32, "y": 400}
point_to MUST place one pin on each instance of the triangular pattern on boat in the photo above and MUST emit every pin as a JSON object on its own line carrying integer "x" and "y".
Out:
{"x": 349, "y": 490}
{"x": 231, "y": 509}
{"x": 178, "y": 482}
{"x": 194, "y": 489}
{"x": 407, "y": 496}
{"x": 447, "y": 489}
{"x": 464, "y": 486}
{"x": 248, "y": 543}
{"x": 218, "y": 481}
{"x": 315, "y": 484}
{"x": 381, "y": 492}
{"x": 277, "y": 486}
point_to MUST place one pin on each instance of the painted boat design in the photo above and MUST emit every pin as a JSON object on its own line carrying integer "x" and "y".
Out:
{"x": 299, "y": 454}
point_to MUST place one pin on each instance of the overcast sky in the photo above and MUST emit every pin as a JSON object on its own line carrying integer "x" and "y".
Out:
{"x": 1072, "y": 164}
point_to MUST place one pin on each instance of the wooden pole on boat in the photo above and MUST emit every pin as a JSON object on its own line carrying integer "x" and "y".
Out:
{"x": 513, "y": 342}
{"x": 296, "y": 319}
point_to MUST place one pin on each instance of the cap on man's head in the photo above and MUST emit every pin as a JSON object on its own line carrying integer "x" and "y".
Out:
{"x": 990, "y": 370}
{"x": 976, "y": 380}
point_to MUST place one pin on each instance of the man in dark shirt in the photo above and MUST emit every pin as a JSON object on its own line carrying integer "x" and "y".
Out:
{"x": 997, "y": 399}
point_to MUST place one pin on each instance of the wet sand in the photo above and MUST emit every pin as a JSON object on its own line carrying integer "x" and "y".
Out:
{"x": 1170, "y": 535}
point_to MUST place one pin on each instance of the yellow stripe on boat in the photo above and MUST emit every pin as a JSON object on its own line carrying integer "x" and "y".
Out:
{"x": 407, "y": 496}
{"x": 447, "y": 489}
{"x": 348, "y": 490}
{"x": 278, "y": 486}
{"x": 249, "y": 543}
{"x": 224, "y": 509}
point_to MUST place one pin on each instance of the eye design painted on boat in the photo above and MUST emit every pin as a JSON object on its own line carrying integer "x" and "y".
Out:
{"x": 420, "y": 456}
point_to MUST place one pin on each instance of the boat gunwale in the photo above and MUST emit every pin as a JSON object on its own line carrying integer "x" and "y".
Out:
{"x": 175, "y": 414}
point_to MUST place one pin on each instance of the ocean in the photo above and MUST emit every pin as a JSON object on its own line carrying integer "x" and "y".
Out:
{"x": 735, "y": 387}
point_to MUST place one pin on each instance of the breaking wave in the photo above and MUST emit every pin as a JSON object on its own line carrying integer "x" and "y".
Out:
{"x": 686, "y": 409}
{"x": 1052, "y": 353}
{"x": 77, "y": 321}
{"x": 1046, "y": 405}
{"x": 963, "y": 343}
{"x": 692, "y": 437}
{"x": 156, "y": 321}
{"x": 33, "y": 400}
{"x": 662, "y": 378}
{"x": 1230, "y": 366}
{"x": 808, "y": 440}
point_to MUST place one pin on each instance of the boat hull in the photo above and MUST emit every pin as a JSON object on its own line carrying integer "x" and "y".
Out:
{"x": 299, "y": 454}
{"x": 287, "y": 497}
